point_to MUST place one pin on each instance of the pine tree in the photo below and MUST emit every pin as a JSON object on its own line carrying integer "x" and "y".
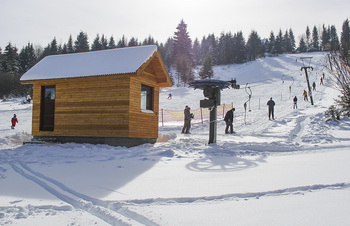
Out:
{"x": 302, "y": 45}
{"x": 10, "y": 61}
{"x": 149, "y": 41}
{"x": 254, "y": 46}
{"x": 122, "y": 42}
{"x": 286, "y": 44}
{"x": 104, "y": 42}
{"x": 272, "y": 40}
{"x": 315, "y": 39}
{"x": 196, "y": 52}
{"x": 50, "y": 49}
{"x": 345, "y": 42}
{"x": 70, "y": 48}
{"x": 326, "y": 39}
{"x": 82, "y": 43}
{"x": 209, "y": 46}
{"x": 279, "y": 42}
{"x": 292, "y": 39}
{"x": 53, "y": 47}
{"x": 335, "y": 46}
{"x": 27, "y": 58}
{"x": 206, "y": 71}
{"x": 225, "y": 49}
{"x": 168, "y": 55}
{"x": 239, "y": 48}
{"x": 133, "y": 42}
{"x": 111, "y": 43}
{"x": 182, "y": 46}
{"x": 307, "y": 35}
{"x": 165, "y": 51}
{"x": 64, "y": 49}
{"x": 96, "y": 45}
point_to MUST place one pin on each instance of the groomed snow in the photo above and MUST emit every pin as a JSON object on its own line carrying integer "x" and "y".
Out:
{"x": 290, "y": 171}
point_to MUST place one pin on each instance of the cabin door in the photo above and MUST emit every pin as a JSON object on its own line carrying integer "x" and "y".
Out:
{"x": 47, "y": 116}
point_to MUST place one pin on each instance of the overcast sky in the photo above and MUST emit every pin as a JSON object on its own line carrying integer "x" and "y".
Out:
{"x": 39, "y": 21}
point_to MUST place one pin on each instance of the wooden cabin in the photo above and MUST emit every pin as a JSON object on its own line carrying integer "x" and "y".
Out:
{"x": 101, "y": 97}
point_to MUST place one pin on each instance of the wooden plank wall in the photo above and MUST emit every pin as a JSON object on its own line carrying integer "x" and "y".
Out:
{"x": 90, "y": 106}
{"x": 102, "y": 106}
{"x": 143, "y": 125}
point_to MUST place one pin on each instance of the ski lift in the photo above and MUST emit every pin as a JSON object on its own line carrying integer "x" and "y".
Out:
{"x": 290, "y": 87}
{"x": 305, "y": 59}
{"x": 248, "y": 90}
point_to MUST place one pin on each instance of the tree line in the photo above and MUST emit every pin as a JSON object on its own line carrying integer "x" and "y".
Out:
{"x": 185, "y": 59}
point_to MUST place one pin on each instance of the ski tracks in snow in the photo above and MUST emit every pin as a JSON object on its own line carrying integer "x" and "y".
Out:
{"x": 234, "y": 196}
{"x": 96, "y": 207}
{"x": 120, "y": 213}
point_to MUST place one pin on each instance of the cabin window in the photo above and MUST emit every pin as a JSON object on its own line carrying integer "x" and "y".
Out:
{"x": 48, "y": 96}
{"x": 146, "y": 97}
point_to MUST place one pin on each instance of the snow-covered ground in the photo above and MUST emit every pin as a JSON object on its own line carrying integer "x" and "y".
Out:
{"x": 290, "y": 171}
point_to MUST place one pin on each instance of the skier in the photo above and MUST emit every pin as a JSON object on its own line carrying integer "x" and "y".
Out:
{"x": 29, "y": 99}
{"x": 14, "y": 120}
{"x": 321, "y": 81}
{"x": 187, "y": 120}
{"x": 229, "y": 121}
{"x": 305, "y": 95}
{"x": 295, "y": 100}
{"x": 170, "y": 96}
{"x": 271, "y": 105}
{"x": 314, "y": 86}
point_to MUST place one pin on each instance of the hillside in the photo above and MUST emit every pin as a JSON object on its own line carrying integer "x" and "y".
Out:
{"x": 289, "y": 171}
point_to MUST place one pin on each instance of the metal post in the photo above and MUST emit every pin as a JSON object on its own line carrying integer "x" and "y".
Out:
{"x": 212, "y": 126}
{"x": 162, "y": 118}
{"x": 308, "y": 84}
{"x": 202, "y": 115}
{"x": 281, "y": 95}
{"x": 223, "y": 111}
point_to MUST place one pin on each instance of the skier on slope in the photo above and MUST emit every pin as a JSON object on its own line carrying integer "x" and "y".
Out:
{"x": 14, "y": 120}
{"x": 271, "y": 105}
{"x": 295, "y": 100}
{"x": 229, "y": 121}
{"x": 187, "y": 120}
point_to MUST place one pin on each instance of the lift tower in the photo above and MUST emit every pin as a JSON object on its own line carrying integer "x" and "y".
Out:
{"x": 211, "y": 90}
{"x": 307, "y": 76}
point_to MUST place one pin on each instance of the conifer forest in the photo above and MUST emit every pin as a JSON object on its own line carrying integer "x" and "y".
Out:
{"x": 185, "y": 58}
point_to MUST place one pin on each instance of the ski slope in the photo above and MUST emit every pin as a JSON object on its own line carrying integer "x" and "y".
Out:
{"x": 289, "y": 171}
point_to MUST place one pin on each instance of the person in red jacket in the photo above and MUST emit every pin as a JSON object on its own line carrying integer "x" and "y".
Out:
{"x": 14, "y": 120}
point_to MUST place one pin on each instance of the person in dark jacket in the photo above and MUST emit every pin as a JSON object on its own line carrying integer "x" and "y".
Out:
{"x": 229, "y": 121}
{"x": 295, "y": 100}
{"x": 14, "y": 120}
{"x": 271, "y": 105}
{"x": 187, "y": 120}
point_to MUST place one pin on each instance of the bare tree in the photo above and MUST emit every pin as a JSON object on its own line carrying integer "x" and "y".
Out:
{"x": 340, "y": 70}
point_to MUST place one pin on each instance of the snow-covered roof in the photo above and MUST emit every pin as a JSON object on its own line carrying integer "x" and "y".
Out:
{"x": 104, "y": 62}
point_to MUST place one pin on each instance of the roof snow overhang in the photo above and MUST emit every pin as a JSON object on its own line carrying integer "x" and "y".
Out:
{"x": 130, "y": 60}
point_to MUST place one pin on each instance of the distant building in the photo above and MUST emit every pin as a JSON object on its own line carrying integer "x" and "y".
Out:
{"x": 108, "y": 96}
